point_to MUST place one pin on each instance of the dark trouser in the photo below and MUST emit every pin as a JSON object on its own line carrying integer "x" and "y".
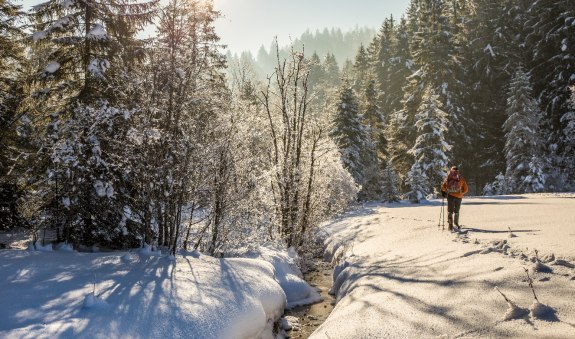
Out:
{"x": 453, "y": 205}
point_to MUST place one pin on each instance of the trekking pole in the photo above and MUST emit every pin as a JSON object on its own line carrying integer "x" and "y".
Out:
{"x": 441, "y": 215}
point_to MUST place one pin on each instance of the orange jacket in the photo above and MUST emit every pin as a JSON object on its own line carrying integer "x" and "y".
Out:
{"x": 464, "y": 188}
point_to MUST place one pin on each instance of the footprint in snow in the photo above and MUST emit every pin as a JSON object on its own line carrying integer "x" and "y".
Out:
{"x": 565, "y": 263}
{"x": 514, "y": 312}
{"x": 470, "y": 253}
{"x": 540, "y": 267}
{"x": 542, "y": 312}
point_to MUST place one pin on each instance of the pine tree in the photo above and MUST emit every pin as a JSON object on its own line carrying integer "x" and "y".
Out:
{"x": 376, "y": 154}
{"x": 495, "y": 34}
{"x": 360, "y": 70}
{"x": 568, "y": 120}
{"x": 13, "y": 121}
{"x": 430, "y": 146}
{"x": 350, "y": 135}
{"x": 401, "y": 129}
{"x": 82, "y": 43}
{"x": 320, "y": 89}
{"x": 12, "y": 64}
{"x": 437, "y": 58}
{"x": 11, "y": 56}
{"x": 418, "y": 184}
{"x": 374, "y": 119}
{"x": 390, "y": 183}
{"x": 401, "y": 134}
{"x": 331, "y": 69}
{"x": 384, "y": 62}
{"x": 316, "y": 72}
{"x": 401, "y": 67}
{"x": 83, "y": 53}
{"x": 551, "y": 40}
{"x": 391, "y": 65}
{"x": 524, "y": 146}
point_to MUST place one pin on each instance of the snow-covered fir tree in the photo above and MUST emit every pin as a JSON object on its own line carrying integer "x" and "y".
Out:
{"x": 389, "y": 57}
{"x": 331, "y": 69}
{"x": 376, "y": 155}
{"x": 78, "y": 45}
{"x": 400, "y": 133}
{"x": 85, "y": 174}
{"x": 434, "y": 47}
{"x": 495, "y": 32}
{"x": 382, "y": 52}
{"x": 351, "y": 135}
{"x": 11, "y": 59}
{"x": 14, "y": 123}
{"x": 430, "y": 146}
{"x": 418, "y": 184}
{"x": 390, "y": 183}
{"x": 524, "y": 144}
{"x": 82, "y": 49}
{"x": 12, "y": 64}
{"x": 551, "y": 39}
{"x": 568, "y": 120}
{"x": 360, "y": 70}
{"x": 400, "y": 67}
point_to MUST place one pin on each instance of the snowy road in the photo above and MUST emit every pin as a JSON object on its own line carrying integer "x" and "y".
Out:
{"x": 400, "y": 277}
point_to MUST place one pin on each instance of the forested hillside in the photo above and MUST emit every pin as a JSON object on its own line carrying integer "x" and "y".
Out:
{"x": 114, "y": 140}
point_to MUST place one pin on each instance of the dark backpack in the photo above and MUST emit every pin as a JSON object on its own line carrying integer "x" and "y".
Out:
{"x": 453, "y": 182}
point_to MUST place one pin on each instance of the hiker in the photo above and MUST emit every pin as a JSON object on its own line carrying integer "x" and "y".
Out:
{"x": 454, "y": 187}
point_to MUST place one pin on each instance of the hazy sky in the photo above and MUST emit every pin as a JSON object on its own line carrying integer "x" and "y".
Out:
{"x": 248, "y": 24}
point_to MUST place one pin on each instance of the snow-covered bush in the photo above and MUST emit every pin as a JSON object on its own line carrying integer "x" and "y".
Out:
{"x": 390, "y": 183}
{"x": 498, "y": 187}
{"x": 418, "y": 183}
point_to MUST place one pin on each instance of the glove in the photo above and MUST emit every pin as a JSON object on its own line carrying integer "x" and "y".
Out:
{"x": 443, "y": 194}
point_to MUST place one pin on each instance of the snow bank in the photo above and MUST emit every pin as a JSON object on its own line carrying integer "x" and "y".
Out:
{"x": 136, "y": 295}
{"x": 298, "y": 292}
{"x": 398, "y": 275}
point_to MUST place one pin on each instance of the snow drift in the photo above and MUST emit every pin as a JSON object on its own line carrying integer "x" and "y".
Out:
{"x": 66, "y": 294}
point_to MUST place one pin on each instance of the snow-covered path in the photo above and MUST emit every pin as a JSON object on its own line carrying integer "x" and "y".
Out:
{"x": 399, "y": 277}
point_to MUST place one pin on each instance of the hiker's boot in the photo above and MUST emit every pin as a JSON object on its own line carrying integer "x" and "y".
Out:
{"x": 450, "y": 221}
{"x": 456, "y": 220}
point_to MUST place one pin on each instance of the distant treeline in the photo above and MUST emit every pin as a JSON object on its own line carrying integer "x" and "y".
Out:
{"x": 342, "y": 45}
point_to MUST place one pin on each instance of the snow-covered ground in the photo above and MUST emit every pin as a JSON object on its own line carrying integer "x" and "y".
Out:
{"x": 144, "y": 294}
{"x": 399, "y": 276}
